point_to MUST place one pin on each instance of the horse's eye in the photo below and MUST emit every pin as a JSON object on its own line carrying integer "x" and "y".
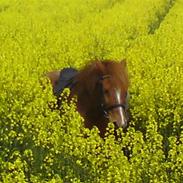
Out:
{"x": 106, "y": 92}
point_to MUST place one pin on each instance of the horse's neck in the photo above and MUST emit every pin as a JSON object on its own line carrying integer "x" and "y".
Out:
{"x": 89, "y": 106}
{"x": 86, "y": 102}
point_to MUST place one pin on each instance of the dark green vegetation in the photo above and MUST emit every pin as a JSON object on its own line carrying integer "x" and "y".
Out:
{"x": 36, "y": 144}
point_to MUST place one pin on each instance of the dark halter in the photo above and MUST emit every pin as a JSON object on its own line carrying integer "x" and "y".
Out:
{"x": 109, "y": 108}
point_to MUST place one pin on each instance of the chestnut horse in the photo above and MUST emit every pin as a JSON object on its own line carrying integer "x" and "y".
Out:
{"x": 101, "y": 89}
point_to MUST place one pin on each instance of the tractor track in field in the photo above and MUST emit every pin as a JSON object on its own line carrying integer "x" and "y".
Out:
{"x": 160, "y": 16}
{"x": 154, "y": 25}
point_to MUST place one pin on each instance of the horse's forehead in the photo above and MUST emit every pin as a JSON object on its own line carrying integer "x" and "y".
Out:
{"x": 110, "y": 83}
{"x": 114, "y": 85}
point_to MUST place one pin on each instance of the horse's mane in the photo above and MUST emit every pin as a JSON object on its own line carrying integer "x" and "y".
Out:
{"x": 91, "y": 73}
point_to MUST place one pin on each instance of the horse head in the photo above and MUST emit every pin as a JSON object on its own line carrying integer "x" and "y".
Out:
{"x": 113, "y": 87}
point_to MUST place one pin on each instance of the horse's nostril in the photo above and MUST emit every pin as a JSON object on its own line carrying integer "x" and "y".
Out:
{"x": 115, "y": 124}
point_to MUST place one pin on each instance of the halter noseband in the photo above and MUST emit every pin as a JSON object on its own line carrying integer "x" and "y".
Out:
{"x": 113, "y": 107}
{"x": 109, "y": 108}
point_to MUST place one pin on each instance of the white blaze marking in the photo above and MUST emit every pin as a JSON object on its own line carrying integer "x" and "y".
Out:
{"x": 120, "y": 109}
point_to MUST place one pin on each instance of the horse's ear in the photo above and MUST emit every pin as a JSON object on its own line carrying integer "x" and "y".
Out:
{"x": 123, "y": 63}
{"x": 98, "y": 66}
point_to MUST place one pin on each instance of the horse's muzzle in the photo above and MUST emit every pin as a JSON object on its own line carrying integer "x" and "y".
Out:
{"x": 122, "y": 124}
{"x": 119, "y": 117}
